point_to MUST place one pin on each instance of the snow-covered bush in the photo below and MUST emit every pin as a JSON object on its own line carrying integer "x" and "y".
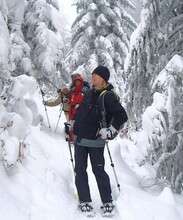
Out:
{"x": 154, "y": 128}
{"x": 18, "y": 112}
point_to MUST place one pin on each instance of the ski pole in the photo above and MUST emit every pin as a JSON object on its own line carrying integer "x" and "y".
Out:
{"x": 42, "y": 95}
{"x": 67, "y": 130}
{"x": 104, "y": 125}
{"x": 51, "y": 82}
{"x": 71, "y": 158}
{"x": 46, "y": 110}
{"x": 58, "y": 118}
{"x": 112, "y": 165}
{"x": 72, "y": 161}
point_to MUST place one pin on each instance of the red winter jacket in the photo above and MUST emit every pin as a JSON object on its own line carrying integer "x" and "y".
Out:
{"x": 76, "y": 96}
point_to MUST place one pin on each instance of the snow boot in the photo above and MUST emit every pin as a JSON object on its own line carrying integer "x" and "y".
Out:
{"x": 107, "y": 209}
{"x": 86, "y": 208}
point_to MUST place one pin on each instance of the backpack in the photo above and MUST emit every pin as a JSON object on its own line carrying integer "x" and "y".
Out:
{"x": 102, "y": 106}
{"x": 86, "y": 86}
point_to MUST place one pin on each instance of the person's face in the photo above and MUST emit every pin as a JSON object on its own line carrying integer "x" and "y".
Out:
{"x": 97, "y": 80}
{"x": 65, "y": 91}
{"x": 77, "y": 82}
{"x": 74, "y": 76}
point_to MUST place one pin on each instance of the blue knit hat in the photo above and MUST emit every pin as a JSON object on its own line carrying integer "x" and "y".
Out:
{"x": 103, "y": 72}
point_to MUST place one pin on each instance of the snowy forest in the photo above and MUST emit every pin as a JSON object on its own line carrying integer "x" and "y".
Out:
{"x": 142, "y": 49}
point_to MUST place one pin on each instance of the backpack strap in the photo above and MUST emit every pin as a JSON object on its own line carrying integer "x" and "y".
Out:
{"x": 102, "y": 109}
{"x": 102, "y": 106}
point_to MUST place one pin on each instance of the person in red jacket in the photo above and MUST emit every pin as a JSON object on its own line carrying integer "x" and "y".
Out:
{"x": 75, "y": 98}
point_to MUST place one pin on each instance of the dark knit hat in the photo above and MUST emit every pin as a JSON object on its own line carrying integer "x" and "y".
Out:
{"x": 103, "y": 72}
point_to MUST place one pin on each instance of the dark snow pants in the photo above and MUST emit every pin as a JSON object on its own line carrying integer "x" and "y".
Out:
{"x": 97, "y": 162}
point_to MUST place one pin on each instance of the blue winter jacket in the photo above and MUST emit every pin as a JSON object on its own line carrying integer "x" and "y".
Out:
{"x": 88, "y": 119}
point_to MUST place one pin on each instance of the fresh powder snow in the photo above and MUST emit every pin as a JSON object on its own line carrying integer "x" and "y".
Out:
{"x": 37, "y": 178}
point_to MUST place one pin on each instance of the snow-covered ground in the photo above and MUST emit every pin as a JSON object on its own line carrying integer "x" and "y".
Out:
{"x": 41, "y": 186}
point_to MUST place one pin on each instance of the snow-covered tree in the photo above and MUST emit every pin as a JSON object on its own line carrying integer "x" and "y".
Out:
{"x": 45, "y": 40}
{"x": 136, "y": 13}
{"x": 99, "y": 38}
{"x": 170, "y": 164}
{"x": 154, "y": 129}
{"x": 154, "y": 102}
{"x": 162, "y": 124}
{"x": 5, "y": 43}
{"x": 31, "y": 35}
{"x": 19, "y": 56}
{"x": 171, "y": 35}
{"x": 155, "y": 41}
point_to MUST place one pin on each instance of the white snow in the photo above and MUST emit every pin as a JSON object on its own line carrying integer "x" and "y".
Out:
{"x": 36, "y": 175}
{"x": 4, "y": 42}
{"x": 37, "y": 180}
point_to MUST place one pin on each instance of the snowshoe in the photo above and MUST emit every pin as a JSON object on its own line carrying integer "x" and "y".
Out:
{"x": 108, "y": 209}
{"x": 87, "y": 209}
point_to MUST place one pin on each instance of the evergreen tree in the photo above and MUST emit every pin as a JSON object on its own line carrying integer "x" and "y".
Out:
{"x": 19, "y": 57}
{"x": 162, "y": 124}
{"x": 170, "y": 164}
{"x": 171, "y": 35}
{"x": 5, "y": 42}
{"x": 31, "y": 35}
{"x": 99, "y": 38}
{"x": 45, "y": 40}
{"x": 157, "y": 38}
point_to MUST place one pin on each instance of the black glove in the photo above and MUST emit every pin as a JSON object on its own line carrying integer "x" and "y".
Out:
{"x": 69, "y": 126}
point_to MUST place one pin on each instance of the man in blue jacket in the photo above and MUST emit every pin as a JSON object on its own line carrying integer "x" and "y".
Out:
{"x": 90, "y": 138}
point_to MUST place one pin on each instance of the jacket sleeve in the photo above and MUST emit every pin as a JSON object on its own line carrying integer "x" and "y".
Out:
{"x": 55, "y": 102}
{"x": 114, "y": 111}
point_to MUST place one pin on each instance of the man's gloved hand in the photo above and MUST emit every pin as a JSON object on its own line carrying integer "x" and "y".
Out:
{"x": 69, "y": 126}
{"x": 108, "y": 133}
{"x": 44, "y": 102}
{"x": 65, "y": 99}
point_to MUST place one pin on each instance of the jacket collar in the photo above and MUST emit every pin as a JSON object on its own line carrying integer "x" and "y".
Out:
{"x": 108, "y": 88}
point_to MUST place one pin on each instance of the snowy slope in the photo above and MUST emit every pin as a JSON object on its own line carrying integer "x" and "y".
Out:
{"x": 42, "y": 186}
